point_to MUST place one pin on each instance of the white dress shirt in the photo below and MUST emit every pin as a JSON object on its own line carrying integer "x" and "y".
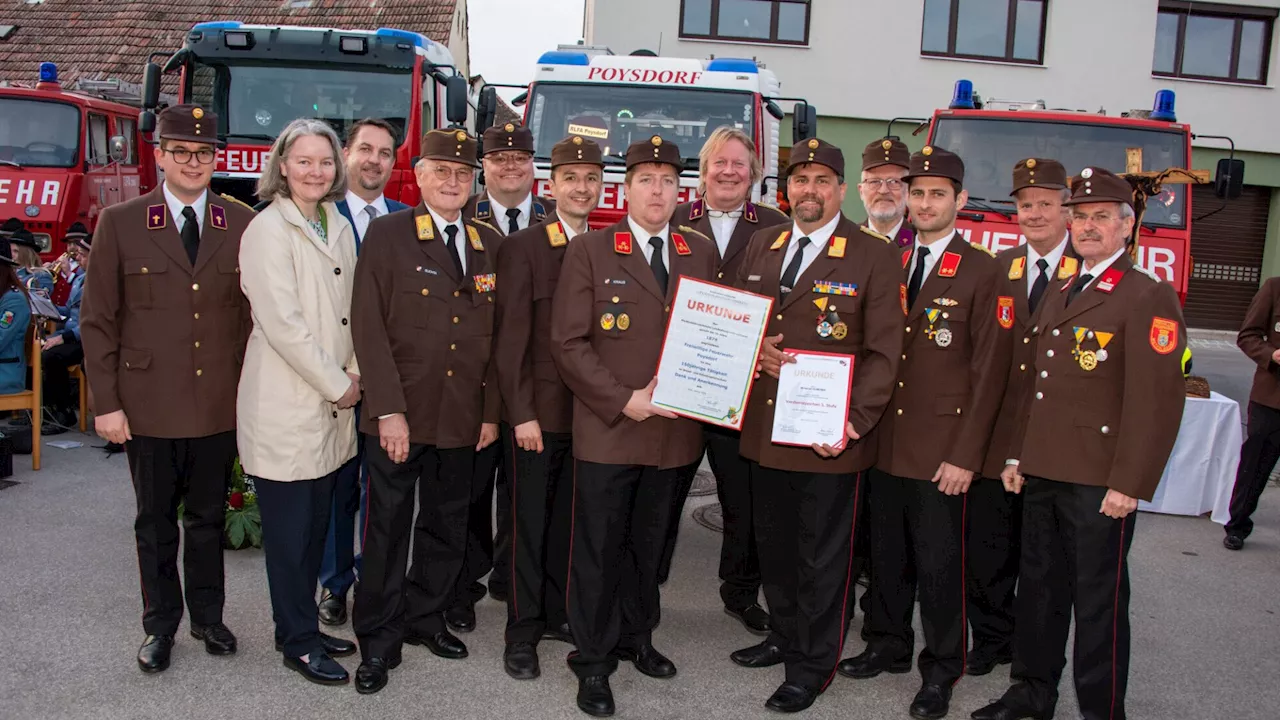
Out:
{"x": 936, "y": 249}
{"x": 818, "y": 240}
{"x": 640, "y": 236}
{"x": 1054, "y": 258}
{"x": 460, "y": 239}
{"x": 722, "y": 227}
{"x": 176, "y": 205}
{"x": 569, "y": 232}
{"x": 1097, "y": 270}
{"x": 500, "y": 213}
{"x": 357, "y": 206}
{"x": 896, "y": 228}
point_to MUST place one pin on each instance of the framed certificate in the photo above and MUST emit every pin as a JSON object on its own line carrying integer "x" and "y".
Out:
{"x": 709, "y": 354}
{"x": 813, "y": 399}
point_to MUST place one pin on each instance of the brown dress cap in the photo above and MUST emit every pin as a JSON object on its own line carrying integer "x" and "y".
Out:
{"x": 187, "y": 123}
{"x": 576, "y": 150}
{"x": 508, "y": 136}
{"x": 933, "y": 161}
{"x": 654, "y": 150}
{"x": 1099, "y": 185}
{"x": 889, "y": 151}
{"x": 450, "y": 145}
{"x": 815, "y": 150}
{"x": 1038, "y": 172}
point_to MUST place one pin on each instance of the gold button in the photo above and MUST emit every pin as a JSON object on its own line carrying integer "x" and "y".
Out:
{"x": 1026, "y": 340}
{"x": 199, "y": 372}
{"x": 145, "y": 271}
{"x": 904, "y": 357}
{"x": 456, "y": 293}
{"x": 908, "y": 328}
{"x": 719, "y": 275}
{"x": 490, "y": 298}
{"x": 667, "y": 309}
{"x": 195, "y": 286}
{"x": 197, "y": 343}
{"x": 899, "y": 411}
{"x": 455, "y": 320}
{"x": 453, "y": 346}
{"x": 449, "y": 373}
{"x": 197, "y": 316}
{"x": 614, "y": 299}
{"x": 957, "y": 411}
{"x": 779, "y": 316}
{"x": 1105, "y": 430}
{"x": 901, "y": 384}
{"x": 1022, "y": 367}
{"x": 768, "y": 402}
{"x": 425, "y": 292}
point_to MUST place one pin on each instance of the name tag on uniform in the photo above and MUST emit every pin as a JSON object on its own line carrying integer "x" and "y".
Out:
{"x": 485, "y": 283}
{"x": 426, "y": 270}
{"x": 756, "y": 278}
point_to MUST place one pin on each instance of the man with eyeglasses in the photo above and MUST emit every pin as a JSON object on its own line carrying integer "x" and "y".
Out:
{"x": 422, "y": 321}
{"x": 883, "y": 189}
{"x": 508, "y": 205}
{"x": 164, "y": 326}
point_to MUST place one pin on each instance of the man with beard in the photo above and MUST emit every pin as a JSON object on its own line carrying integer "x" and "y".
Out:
{"x": 538, "y": 408}
{"x": 369, "y": 154}
{"x": 609, "y": 317}
{"x": 729, "y": 169}
{"x": 1094, "y": 439}
{"x": 995, "y": 516}
{"x": 508, "y": 205}
{"x": 804, "y": 499}
{"x": 883, "y": 189}
{"x": 934, "y": 437}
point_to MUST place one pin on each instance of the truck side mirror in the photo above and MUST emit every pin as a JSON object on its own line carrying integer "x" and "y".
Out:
{"x": 487, "y": 110}
{"x": 1228, "y": 182}
{"x": 119, "y": 148}
{"x": 147, "y": 121}
{"x": 804, "y": 122}
{"x": 151, "y": 86}
{"x": 456, "y": 100}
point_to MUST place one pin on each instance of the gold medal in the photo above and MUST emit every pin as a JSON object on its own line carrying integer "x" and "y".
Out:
{"x": 624, "y": 321}
{"x": 1088, "y": 360}
{"x": 606, "y": 321}
{"x": 839, "y": 331}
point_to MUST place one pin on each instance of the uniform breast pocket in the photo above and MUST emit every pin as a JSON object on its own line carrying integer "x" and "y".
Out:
{"x": 482, "y": 312}
{"x": 951, "y": 328}
{"x": 418, "y": 296}
{"x": 140, "y": 278}
{"x": 951, "y": 405}
{"x": 229, "y": 293}
{"x": 615, "y": 308}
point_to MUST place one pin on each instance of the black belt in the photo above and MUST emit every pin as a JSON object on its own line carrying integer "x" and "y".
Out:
{"x": 6, "y": 361}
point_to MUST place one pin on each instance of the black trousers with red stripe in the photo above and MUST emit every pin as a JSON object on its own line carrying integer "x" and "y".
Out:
{"x": 541, "y": 487}
{"x": 1073, "y": 558}
{"x": 917, "y": 548}
{"x": 486, "y": 550}
{"x": 804, "y": 524}
{"x": 620, "y": 520}
{"x": 993, "y": 535}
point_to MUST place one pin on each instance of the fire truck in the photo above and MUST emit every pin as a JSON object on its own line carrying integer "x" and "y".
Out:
{"x": 64, "y": 156}
{"x": 992, "y": 136}
{"x": 259, "y": 78}
{"x": 617, "y": 100}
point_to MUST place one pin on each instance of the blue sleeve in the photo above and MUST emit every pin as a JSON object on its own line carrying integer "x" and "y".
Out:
{"x": 72, "y": 329}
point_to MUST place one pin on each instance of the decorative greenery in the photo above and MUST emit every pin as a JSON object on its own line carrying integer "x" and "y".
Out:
{"x": 243, "y": 525}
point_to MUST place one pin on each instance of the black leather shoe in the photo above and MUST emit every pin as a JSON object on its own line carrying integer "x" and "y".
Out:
{"x": 153, "y": 656}
{"x": 218, "y": 640}
{"x": 319, "y": 669}
{"x": 999, "y": 711}
{"x": 649, "y": 661}
{"x": 520, "y": 660}
{"x": 1233, "y": 542}
{"x": 334, "y": 646}
{"x": 982, "y": 662}
{"x": 871, "y": 663}
{"x": 931, "y": 702}
{"x": 461, "y": 618}
{"x": 752, "y": 617}
{"x": 595, "y": 698}
{"x": 559, "y": 632}
{"x": 497, "y": 593}
{"x": 443, "y": 643}
{"x": 765, "y": 654}
{"x": 332, "y": 608}
{"x": 791, "y": 698}
{"x": 371, "y": 676}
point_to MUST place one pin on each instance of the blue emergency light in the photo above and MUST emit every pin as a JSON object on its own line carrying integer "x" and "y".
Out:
{"x": 564, "y": 57}
{"x": 962, "y": 98}
{"x": 218, "y": 25}
{"x": 733, "y": 65}
{"x": 413, "y": 38}
{"x": 1163, "y": 109}
{"x": 48, "y": 72}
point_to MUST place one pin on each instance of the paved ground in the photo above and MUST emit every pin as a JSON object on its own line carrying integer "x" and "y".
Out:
{"x": 1204, "y": 627}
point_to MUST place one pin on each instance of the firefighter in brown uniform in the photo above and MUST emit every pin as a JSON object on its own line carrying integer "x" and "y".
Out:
{"x": 883, "y": 189}
{"x": 995, "y": 516}
{"x": 537, "y": 409}
{"x": 935, "y": 435}
{"x": 837, "y": 287}
{"x": 508, "y": 205}
{"x": 609, "y": 317}
{"x": 164, "y": 326}
{"x": 1095, "y": 437}
{"x": 730, "y": 168}
{"x": 422, "y": 321}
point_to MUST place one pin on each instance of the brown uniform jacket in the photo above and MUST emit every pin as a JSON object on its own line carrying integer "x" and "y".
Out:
{"x": 1022, "y": 361}
{"x": 874, "y": 337}
{"x": 529, "y": 265}
{"x": 1259, "y": 337}
{"x": 163, "y": 340}
{"x": 478, "y": 208}
{"x": 422, "y": 334}
{"x": 947, "y": 397}
{"x": 603, "y": 275}
{"x": 754, "y": 218}
{"x": 1113, "y": 426}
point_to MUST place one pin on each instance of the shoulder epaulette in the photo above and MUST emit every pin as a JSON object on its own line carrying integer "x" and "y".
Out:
{"x": 1147, "y": 272}
{"x": 874, "y": 234}
{"x": 691, "y": 231}
{"x": 983, "y": 248}
{"x": 237, "y": 201}
{"x": 475, "y": 221}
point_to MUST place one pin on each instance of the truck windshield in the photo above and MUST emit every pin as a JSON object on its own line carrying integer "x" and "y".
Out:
{"x": 616, "y": 116}
{"x": 990, "y": 148}
{"x": 39, "y": 133}
{"x": 257, "y": 101}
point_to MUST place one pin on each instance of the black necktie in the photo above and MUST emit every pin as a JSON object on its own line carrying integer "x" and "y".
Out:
{"x": 190, "y": 233}
{"x": 1077, "y": 287}
{"x": 512, "y": 225}
{"x": 1042, "y": 282}
{"x": 917, "y": 276}
{"x": 788, "y": 280}
{"x": 655, "y": 263}
{"x": 452, "y": 244}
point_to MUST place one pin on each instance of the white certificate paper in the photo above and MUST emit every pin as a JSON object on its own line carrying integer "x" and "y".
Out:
{"x": 709, "y": 355}
{"x": 813, "y": 400}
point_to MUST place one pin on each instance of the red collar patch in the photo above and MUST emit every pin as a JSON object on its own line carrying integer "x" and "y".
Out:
{"x": 948, "y": 265}
{"x": 1108, "y": 281}
{"x": 622, "y": 243}
{"x": 682, "y": 247}
{"x": 906, "y": 258}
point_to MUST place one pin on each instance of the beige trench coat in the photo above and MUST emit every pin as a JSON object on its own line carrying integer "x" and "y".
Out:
{"x": 287, "y": 423}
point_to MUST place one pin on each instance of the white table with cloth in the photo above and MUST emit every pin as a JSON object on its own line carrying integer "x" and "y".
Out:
{"x": 1202, "y": 468}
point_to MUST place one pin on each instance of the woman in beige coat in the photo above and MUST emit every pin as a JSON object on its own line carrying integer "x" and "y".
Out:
{"x": 299, "y": 386}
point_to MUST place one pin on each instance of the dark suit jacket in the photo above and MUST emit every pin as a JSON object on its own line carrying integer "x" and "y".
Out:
{"x": 754, "y": 218}
{"x": 345, "y": 209}
{"x": 1259, "y": 337}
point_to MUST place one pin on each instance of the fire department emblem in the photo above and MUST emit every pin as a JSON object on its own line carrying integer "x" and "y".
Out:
{"x": 1004, "y": 311}
{"x": 197, "y": 113}
{"x": 1164, "y": 335}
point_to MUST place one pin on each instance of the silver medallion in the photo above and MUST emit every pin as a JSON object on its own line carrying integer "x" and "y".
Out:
{"x": 1102, "y": 355}
{"x": 942, "y": 337}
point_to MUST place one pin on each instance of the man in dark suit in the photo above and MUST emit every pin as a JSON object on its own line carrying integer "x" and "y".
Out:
{"x": 729, "y": 168}
{"x": 1259, "y": 338}
{"x": 369, "y": 154}
{"x": 165, "y": 326}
